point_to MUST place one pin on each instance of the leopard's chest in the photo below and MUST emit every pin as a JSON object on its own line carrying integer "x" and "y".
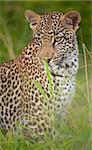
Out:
{"x": 64, "y": 88}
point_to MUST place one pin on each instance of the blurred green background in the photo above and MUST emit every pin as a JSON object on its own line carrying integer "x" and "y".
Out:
{"x": 14, "y": 36}
{"x": 14, "y": 29}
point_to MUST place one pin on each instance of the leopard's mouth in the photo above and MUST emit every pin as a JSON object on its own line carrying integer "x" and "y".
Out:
{"x": 54, "y": 68}
{"x": 48, "y": 60}
{"x": 56, "y": 61}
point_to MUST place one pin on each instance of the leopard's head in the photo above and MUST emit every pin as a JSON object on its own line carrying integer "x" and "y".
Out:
{"x": 54, "y": 33}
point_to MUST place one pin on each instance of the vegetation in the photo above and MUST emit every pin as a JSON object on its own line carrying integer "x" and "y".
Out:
{"x": 76, "y": 131}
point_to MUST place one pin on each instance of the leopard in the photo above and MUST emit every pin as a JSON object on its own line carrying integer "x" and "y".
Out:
{"x": 54, "y": 44}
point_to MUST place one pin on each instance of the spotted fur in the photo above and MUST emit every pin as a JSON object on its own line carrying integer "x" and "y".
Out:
{"x": 21, "y": 101}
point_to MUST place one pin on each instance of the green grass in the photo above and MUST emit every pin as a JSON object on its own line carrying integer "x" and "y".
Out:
{"x": 76, "y": 132}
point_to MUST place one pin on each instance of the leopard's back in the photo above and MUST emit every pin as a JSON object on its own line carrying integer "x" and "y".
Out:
{"x": 10, "y": 96}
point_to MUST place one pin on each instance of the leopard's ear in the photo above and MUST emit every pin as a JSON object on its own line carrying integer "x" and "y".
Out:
{"x": 33, "y": 18}
{"x": 72, "y": 19}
